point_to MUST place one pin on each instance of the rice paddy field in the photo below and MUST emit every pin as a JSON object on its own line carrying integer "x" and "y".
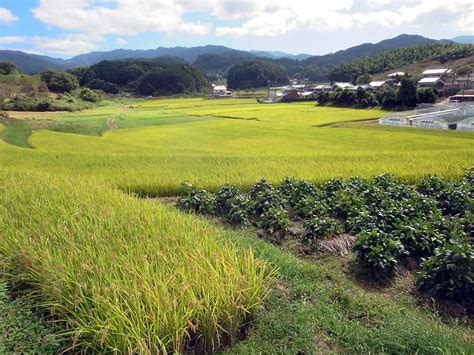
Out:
{"x": 111, "y": 272}
{"x": 211, "y": 142}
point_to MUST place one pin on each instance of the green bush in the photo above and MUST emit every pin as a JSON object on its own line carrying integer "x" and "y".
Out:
{"x": 449, "y": 273}
{"x": 378, "y": 251}
{"x": 309, "y": 206}
{"x": 224, "y": 195}
{"x": 195, "y": 200}
{"x": 419, "y": 238}
{"x": 59, "y": 81}
{"x": 87, "y": 94}
{"x": 238, "y": 213}
{"x": 274, "y": 221}
{"x": 320, "y": 228}
{"x": 456, "y": 199}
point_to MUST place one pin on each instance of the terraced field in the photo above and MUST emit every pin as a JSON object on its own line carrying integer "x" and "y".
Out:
{"x": 117, "y": 273}
{"x": 211, "y": 142}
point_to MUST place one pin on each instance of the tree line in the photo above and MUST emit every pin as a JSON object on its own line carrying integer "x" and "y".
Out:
{"x": 161, "y": 76}
{"x": 398, "y": 58}
{"x": 405, "y": 96}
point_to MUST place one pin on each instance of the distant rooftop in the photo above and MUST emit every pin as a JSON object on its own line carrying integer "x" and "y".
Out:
{"x": 398, "y": 73}
{"x": 376, "y": 84}
{"x": 430, "y": 80}
{"x": 436, "y": 71}
{"x": 344, "y": 85}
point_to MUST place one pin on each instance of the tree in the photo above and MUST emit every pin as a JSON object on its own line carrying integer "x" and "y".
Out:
{"x": 7, "y": 68}
{"x": 173, "y": 79}
{"x": 59, "y": 82}
{"x": 426, "y": 95}
{"x": 464, "y": 70}
{"x": 363, "y": 79}
{"x": 255, "y": 74}
{"x": 406, "y": 94}
{"x": 87, "y": 94}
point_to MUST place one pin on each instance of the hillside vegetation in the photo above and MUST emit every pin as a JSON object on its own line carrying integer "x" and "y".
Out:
{"x": 163, "y": 76}
{"x": 255, "y": 74}
{"x": 398, "y": 58}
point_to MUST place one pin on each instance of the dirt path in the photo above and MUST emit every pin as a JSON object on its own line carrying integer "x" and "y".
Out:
{"x": 111, "y": 120}
{"x": 112, "y": 124}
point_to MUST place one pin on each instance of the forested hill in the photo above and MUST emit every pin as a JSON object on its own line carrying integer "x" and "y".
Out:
{"x": 218, "y": 58}
{"x": 398, "y": 58}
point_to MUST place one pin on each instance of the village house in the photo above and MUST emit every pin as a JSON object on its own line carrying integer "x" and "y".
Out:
{"x": 218, "y": 89}
{"x": 379, "y": 85}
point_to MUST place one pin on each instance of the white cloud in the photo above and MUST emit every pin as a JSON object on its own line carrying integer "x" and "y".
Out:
{"x": 377, "y": 3}
{"x": 275, "y": 19}
{"x": 120, "y": 41}
{"x": 60, "y": 45}
{"x": 122, "y": 17}
{"x": 65, "y": 45}
{"x": 458, "y": 14}
{"x": 6, "y": 16}
{"x": 88, "y": 22}
{"x": 12, "y": 39}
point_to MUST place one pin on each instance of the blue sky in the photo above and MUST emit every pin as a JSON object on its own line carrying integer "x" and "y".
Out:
{"x": 65, "y": 28}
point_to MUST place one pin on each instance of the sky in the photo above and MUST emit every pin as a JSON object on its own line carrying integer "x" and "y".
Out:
{"x": 64, "y": 28}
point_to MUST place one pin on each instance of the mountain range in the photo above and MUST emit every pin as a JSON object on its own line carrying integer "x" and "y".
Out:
{"x": 33, "y": 63}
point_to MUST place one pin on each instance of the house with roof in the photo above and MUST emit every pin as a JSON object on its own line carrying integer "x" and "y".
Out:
{"x": 443, "y": 72}
{"x": 220, "y": 90}
{"x": 342, "y": 85}
{"x": 395, "y": 75}
{"x": 379, "y": 85}
{"x": 323, "y": 87}
{"x": 435, "y": 82}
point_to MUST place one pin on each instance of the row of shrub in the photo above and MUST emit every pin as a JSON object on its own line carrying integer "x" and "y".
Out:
{"x": 431, "y": 222}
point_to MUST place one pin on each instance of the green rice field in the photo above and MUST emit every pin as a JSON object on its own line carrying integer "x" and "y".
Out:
{"x": 211, "y": 142}
{"x": 114, "y": 273}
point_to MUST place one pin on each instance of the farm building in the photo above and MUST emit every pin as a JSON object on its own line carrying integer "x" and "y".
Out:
{"x": 342, "y": 86}
{"x": 379, "y": 85}
{"x": 323, "y": 87}
{"x": 466, "y": 82}
{"x": 454, "y": 117}
{"x": 395, "y": 75}
{"x": 435, "y": 81}
{"x": 463, "y": 96}
{"x": 443, "y": 72}
{"x": 220, "y": 91}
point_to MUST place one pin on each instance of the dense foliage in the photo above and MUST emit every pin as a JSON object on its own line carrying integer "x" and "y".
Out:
{"x": 59, "y": 82}
{"x": 402, "y": 97}
{"x": 162, "y": 76}
{"x": 432, "y": 221}
{"x": 7, "y": 68}
{"x": 44, "y": 103}
{"x": 399, "y": 57}
{"x": 255, "y": 74}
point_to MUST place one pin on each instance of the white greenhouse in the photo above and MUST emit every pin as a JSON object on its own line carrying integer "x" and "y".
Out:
{"x": 453, "y": 116}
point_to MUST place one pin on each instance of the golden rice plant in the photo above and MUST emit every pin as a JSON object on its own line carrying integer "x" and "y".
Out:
{"x": 124, "y": 275}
